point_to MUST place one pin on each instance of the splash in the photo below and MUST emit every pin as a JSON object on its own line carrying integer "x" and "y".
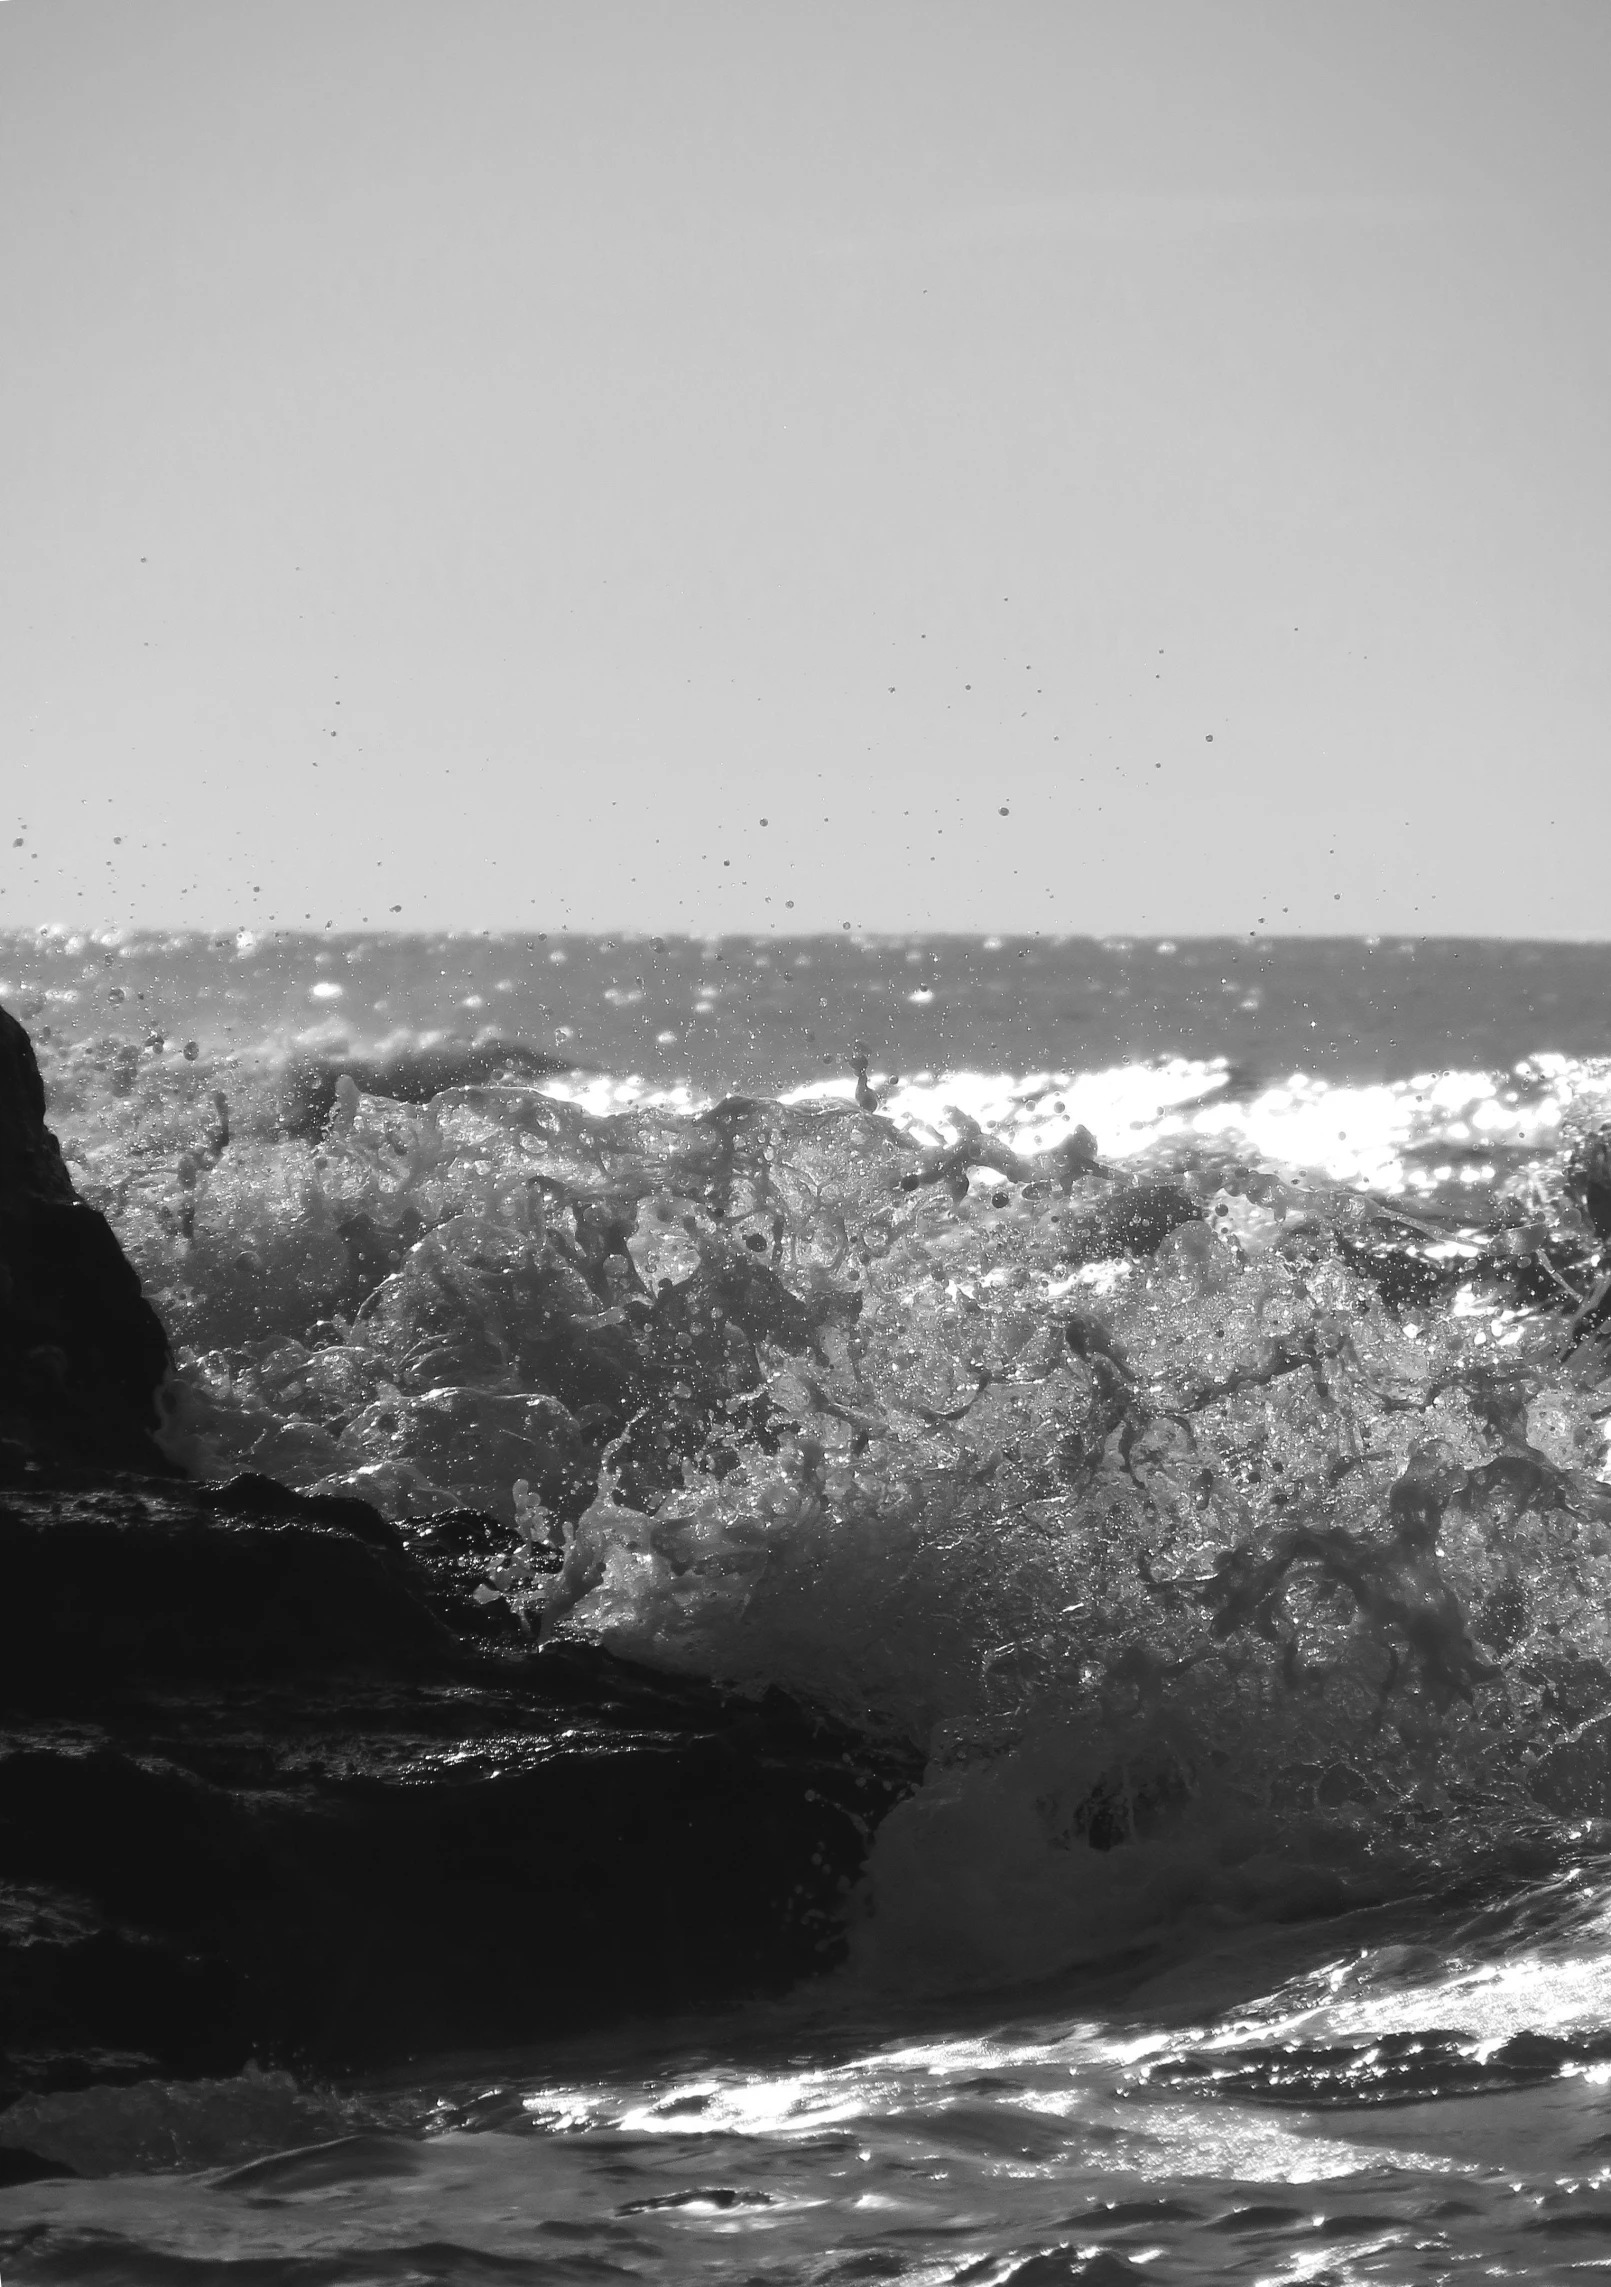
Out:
{"x": 1231, "y": 1491}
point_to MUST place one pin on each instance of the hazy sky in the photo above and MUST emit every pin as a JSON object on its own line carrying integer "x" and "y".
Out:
{"x": 484, "y": 458}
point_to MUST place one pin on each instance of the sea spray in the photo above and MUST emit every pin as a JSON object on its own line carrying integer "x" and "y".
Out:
{"x": 1219, "y": 1502}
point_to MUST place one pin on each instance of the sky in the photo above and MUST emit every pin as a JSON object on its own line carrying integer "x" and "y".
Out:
{"x": 1081, "y": 467}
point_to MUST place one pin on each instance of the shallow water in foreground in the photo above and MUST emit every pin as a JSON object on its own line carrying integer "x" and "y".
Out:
{"x": 1397, "y": 2096}
{"x": 1221, "y": 1504}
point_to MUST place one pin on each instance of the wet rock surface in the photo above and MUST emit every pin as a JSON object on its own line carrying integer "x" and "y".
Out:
{"x": 274, "y": 1785}
{"x": 258, "y": 1799}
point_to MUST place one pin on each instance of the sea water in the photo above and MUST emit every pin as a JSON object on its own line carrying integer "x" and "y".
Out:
{"x": 1193, "y": 1440}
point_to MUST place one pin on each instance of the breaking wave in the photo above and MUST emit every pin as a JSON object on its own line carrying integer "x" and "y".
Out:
{"x": 1211, "y": 1481}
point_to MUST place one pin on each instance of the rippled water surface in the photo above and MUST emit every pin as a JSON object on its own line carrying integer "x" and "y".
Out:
{"x": 1407, "y": 2096}
{"x": 1191, "y": 1436}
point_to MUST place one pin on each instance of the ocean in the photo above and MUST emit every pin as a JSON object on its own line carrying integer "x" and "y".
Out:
{"x": 1200, "y": 1458}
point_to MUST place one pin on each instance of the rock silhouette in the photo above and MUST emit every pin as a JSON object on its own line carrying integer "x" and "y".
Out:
{"x": 82, "y": 1353}
{"x": 270, "y": 1786}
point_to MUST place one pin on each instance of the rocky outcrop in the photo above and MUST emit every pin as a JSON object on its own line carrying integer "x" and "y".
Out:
{"x": 82, "y": 1353}
{"x": 275, "y": 1786}
{"x": 258, "y": 1799}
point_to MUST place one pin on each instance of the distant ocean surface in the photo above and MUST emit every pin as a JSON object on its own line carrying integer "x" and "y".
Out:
{"x": 758, "y": 1014}
{"x": 1218, "y": 1498}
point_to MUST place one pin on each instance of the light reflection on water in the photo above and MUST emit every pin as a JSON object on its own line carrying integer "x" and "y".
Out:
{"x": 804, "y": 2143}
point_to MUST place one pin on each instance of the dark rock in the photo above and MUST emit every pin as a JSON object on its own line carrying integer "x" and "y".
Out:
{"x": 98, "y": 1588}
{"x": 82, "y": 1353}
{"x": 453, "y": 1550}
{"x": 272, "y": 1783}
{"x": 257, "y": 1800}
{"x": 253, "y": 1495}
